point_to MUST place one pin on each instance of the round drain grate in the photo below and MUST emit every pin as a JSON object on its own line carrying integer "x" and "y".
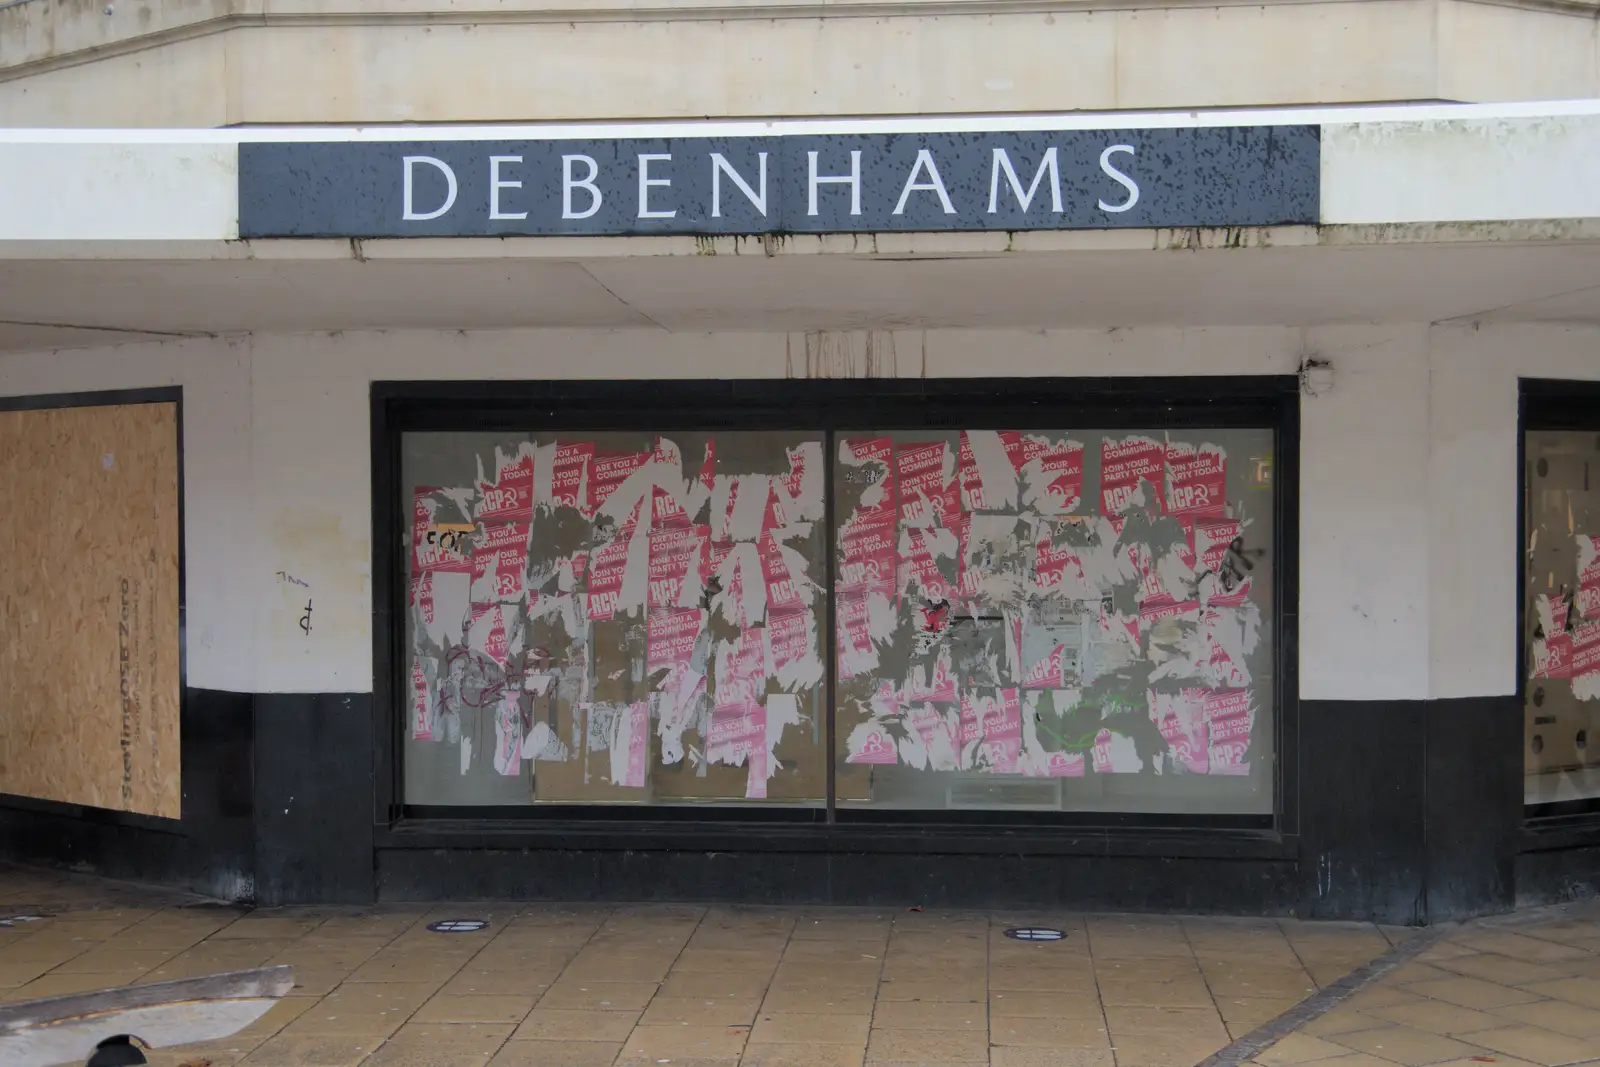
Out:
{"x": 458, "y": 926}
{"x": 1035, "y": 933}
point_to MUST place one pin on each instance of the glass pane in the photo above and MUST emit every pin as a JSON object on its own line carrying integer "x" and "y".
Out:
{"x": 614, "y": 617}
{"x": 1053, "y": 620}
{"x": 1562, "y": 617}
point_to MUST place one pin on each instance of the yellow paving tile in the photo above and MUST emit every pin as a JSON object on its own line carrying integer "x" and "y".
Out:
{"x": 1019, "y": 1056}
{"x": 944, "y": 1046}
{"x": 802, "y": 1055}
{"x": 930, "y": 1015}
{"x": 1300, "y": 1048}
{"x": 1585, "y": 991}
{"x": 1560, "y": 1016}
{"x": 612, "y": 996}
{"x": 556, "y": 1054}
{"x": 777, "y": 1028}
{"x": 1048, "y": 1033}
{"x": 1438, "y": 1017}
{"x": 558, "y": 1024}
{"x": 699, "y": 1011}
{"x": 1472, "y": 992}
{"x": 1406, "y": 1045}
{"x": 1538, "y": 1046}
{"x": 684, "y": 1042}
{"x": 475, "y": 1008}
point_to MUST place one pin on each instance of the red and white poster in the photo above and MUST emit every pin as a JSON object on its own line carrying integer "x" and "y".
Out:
{"x": 608, "y": 565}
{"x": 670, "y": 635}
{"x": 1588, "y": 576}
{"x": 925, "y": 493}
{"x": 500, "y": 559}
{"x": 437, "y": 547}
{"x": 854, "y": 636}
{"x": 509, "y": 498}
{"x": 1057, "y": 567}
{"x": 422, "y": 595}
{"x": 1211, "y": 538}
{"x": 1048, "y": 672}
{"x": 740, "y": 671}
{"x": 936, "y": 682}
{"x": 487, "y": 631}
{"x": 569, "y": 476}
{"x": 785, "y": 589}
{"x": 1054, "y": 474}
{"x": 421, "y": 705}
{"x": 1181, "y": 718}
{"x": 675, "y": 553}
{"x": 736, "y": 731}
{"x": 607, "y": 472}
{"x": 788, "y": 638}
{"x": 870, "y": 743}
{"x": 1230, "y": 716}
{"x": 1197, "y": 480}
{"x": 1058, "y": 765}
{"x": 1585, "y": 648}
{"x": 1000, "y": 715}
{"x": 975, "y": 494}
{"x": 1124, "y": 464}
{"x": 919, "y": 567}
{"x": 867, "y": 556}
{"x": 630, "y": 750}
{"x": 874, "y": 455}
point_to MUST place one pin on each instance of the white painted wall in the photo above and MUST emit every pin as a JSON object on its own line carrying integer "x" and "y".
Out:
{"x": 1408, "y": 487}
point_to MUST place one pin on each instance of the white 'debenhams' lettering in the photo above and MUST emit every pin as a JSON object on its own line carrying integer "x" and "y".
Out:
{"x": 581, "y": 196}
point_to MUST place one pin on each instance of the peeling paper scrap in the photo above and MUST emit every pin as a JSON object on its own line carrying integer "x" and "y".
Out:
{"x": 1588, "y": 576}
{"x": 1115, "y": 754}
{"x": 607, "y": 472}
{"x": 1124, "y": 465}
{"x": 792, "y": 649}
{"x": 431, "y": 548}
{"x": 500, "y": 562}
{"x": 670, "y": 637}
{"x": 1000, "y": 721}
{"x": 487, "y": 632}
{"x": 1181, "y": 717}
{"x": 508, "y": 736}
{"x": 678, "y": 565}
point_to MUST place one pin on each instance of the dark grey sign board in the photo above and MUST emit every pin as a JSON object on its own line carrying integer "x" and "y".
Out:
{"x": 1039, "y": 180}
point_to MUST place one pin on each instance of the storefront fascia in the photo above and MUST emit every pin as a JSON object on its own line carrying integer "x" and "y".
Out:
{"x": 1451, "y": 255}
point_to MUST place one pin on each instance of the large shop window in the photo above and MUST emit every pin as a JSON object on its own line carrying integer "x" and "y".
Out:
{"x": 967, "y": 617}
{"x": 1561, "y": 616}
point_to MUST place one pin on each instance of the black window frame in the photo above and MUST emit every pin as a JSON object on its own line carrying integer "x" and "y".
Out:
{"x": 829, "y": 406}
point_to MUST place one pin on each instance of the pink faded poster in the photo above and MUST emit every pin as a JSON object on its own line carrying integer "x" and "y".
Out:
{"x": 670, "y": 635}
{"x": 933, "y": 726}
{"x": 510, "y": 497}
{"x": 924, "y": 492}
{"x": 1230, "y": 715}
{"x": 854, "y": 635}
{"x": 736, "y": 731}
{"x": 494, "y": 644}
{"x": 867, "y": 556}
{"x": 508, "y": 736}
{"x": 502, "y": 551}
{"x": 421, "y": 705}
{"x": 675, "y": 553}
{"x": 871, "y": 743}
{"x": 784, "y": 589}
{"x": 569, "y": 476}
{"x": 741, "y": 671}
{"x": 1197, "y": 480}
{"x": 1001, "y": 722}
{"x": 1058, "y": 765}
{"x": 634, "y": 742}
{"x": 608, "y": 564}
{"x": 609, "y": 470}
{"x": 433, "y": 549}
{"x": 788, "y": 637}
{"x": 1585, "y": 648}
{"x": 970, "y": 476}
{"x": 875, "y": 454}
{"x": 1181, "y": 718}
{"x": 1123, "y": 465}
{"x": 422, "y": 595}
{"x": 1057, "y": 487}
{"x": 1222, "y": 665}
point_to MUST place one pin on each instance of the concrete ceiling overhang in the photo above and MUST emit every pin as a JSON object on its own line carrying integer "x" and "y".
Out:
{"x": 79, "y": 295}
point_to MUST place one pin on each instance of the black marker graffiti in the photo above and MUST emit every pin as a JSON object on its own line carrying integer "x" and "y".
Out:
{"x": 305, "y": 620}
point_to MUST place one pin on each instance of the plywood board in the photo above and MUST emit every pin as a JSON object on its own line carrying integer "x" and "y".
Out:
{"x": 89, "y": 661}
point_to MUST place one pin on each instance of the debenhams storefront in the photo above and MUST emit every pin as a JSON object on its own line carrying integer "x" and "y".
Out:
{"x": 1166, "y": 512}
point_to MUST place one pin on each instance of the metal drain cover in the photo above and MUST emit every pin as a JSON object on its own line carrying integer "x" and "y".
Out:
{"x": 458, "y": 926}
{"x": 1035, "y": 933}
